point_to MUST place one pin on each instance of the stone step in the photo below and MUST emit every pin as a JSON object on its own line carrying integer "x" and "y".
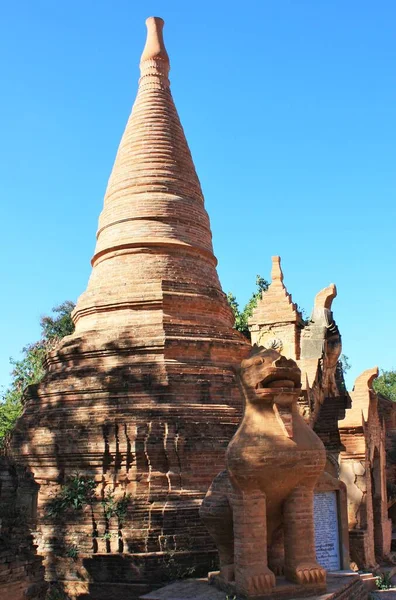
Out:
{"x": 340, "y": 586}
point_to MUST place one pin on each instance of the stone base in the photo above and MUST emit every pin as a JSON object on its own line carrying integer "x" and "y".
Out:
{"x": 103, "y": 591}
{"x": 284, "y": 589}
{"x": 340, "y": 586}
{"x": 369, "y": 581}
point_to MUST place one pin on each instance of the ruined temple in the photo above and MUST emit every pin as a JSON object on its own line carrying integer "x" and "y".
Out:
{"x": 363, "y": 469}
{"x": 21, "y": 567}
{"x": 141, "y": 401}
{"x": 356, "y": 428}
{"x": 315, "y": 344}
{"x": 142, "y": 397}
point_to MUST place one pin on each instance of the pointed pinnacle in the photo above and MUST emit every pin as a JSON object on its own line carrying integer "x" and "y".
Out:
{"x": 155, "y": 47}
{"x": 276, "y": 272}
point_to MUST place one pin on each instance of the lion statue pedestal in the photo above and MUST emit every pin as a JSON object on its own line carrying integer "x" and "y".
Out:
{"x": 260, "y": 510}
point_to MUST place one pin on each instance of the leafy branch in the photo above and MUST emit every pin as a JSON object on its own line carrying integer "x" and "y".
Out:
{"x": 75, "y": 494}
{"x": 242, "y": 316}
{"x": 30, "y": 368}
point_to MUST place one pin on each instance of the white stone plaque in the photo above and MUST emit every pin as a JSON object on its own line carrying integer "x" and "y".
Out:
{"x": 327, "y": 540}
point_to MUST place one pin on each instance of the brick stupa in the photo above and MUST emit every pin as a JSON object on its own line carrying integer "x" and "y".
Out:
{"x": 143, "y": 395}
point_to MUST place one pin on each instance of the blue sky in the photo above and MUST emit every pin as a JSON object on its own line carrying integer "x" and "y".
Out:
{"x": 289, "y": 110}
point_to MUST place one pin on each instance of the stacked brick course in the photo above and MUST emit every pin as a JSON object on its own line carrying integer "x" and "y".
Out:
{"x": 21, "y": 569}
{"x": 276, "y": 322}
{"x": 316, "y": 346}
{"x": 363, "y": 469}
{"x": 142, "y": 396}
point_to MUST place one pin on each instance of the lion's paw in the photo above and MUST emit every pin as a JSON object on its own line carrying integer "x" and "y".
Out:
{"x": 257, "y": 583}
{"x": 307, "y": 573}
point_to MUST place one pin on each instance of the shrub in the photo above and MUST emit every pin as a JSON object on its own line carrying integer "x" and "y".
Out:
{"x": 72, "y": 551}
{"x": 75, "y": 494}
{"x": 115, "y": 508}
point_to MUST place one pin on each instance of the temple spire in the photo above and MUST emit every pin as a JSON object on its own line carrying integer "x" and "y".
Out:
{"x": 155, "y": 47}
{"x": 275, "y": 320}
{"x": 154, "y": 62}
{"x": 153, "y": 227}
{"x": 276, "y": 271}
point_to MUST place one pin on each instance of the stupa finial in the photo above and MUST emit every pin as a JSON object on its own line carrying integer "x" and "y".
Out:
{"x": 154, "y": 62}
{"x": 155, "y": 47}
{"x": 276, "y": 272}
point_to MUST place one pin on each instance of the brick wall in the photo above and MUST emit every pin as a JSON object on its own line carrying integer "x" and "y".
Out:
{"x": 21, "y": 570}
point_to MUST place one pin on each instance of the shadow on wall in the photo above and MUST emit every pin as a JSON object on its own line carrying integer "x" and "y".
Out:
{"x": 21, "y": 569}
{"x": 90, "y": 431}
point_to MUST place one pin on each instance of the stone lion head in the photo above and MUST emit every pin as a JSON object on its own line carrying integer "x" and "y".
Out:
{"x": 265, "y": 370}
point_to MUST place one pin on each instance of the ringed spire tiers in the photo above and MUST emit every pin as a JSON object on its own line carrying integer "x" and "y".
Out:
{"x": 153, "y": 205}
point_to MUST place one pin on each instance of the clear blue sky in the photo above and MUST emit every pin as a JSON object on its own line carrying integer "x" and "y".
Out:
{"x": 289, "y": 110}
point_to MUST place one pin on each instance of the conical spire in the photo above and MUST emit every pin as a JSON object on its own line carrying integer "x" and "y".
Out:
{"x": 276, "y": 304}
{"x": 153, "y": 227}
{"x": 153, "y": 179}
{"x": 275, "y": 320}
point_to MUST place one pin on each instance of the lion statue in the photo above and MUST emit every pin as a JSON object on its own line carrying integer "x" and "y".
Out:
{"x": 260, "y": 510}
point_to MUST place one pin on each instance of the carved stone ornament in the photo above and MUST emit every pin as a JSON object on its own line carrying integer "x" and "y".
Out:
{"x": 260, "y": 510}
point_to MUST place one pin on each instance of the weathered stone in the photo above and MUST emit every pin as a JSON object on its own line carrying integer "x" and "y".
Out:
{"x": 363, "y": 469}
{"x": 142, "y": 398}
{"x": 260, "y": 512}
{"x": 276, "y": 323}
{"x": 315, "y": 345}
{"x": 342, "y": 586}
{"x": 352, "y": 427}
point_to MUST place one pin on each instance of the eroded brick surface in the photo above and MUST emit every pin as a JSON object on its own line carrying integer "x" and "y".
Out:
{"x": 357, "y": 429}
{"x": 21, "y": 569}
{"x": 363, "y": 470}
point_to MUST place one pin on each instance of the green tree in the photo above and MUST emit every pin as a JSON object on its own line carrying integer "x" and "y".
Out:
{"x": 30, "y": 368}
{"x": 344, "y": 363}
{"x": 242, "y": 316}
{"x": 55, "y": 328}
{"x": 385, "y": 384}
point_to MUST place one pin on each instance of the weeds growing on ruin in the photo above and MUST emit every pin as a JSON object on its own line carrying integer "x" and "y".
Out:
{"x": 384, "y": 579}
{"x": 72, "y": 551}
{"x": 115, "y": 508}
{"x": 75, "y": 494}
